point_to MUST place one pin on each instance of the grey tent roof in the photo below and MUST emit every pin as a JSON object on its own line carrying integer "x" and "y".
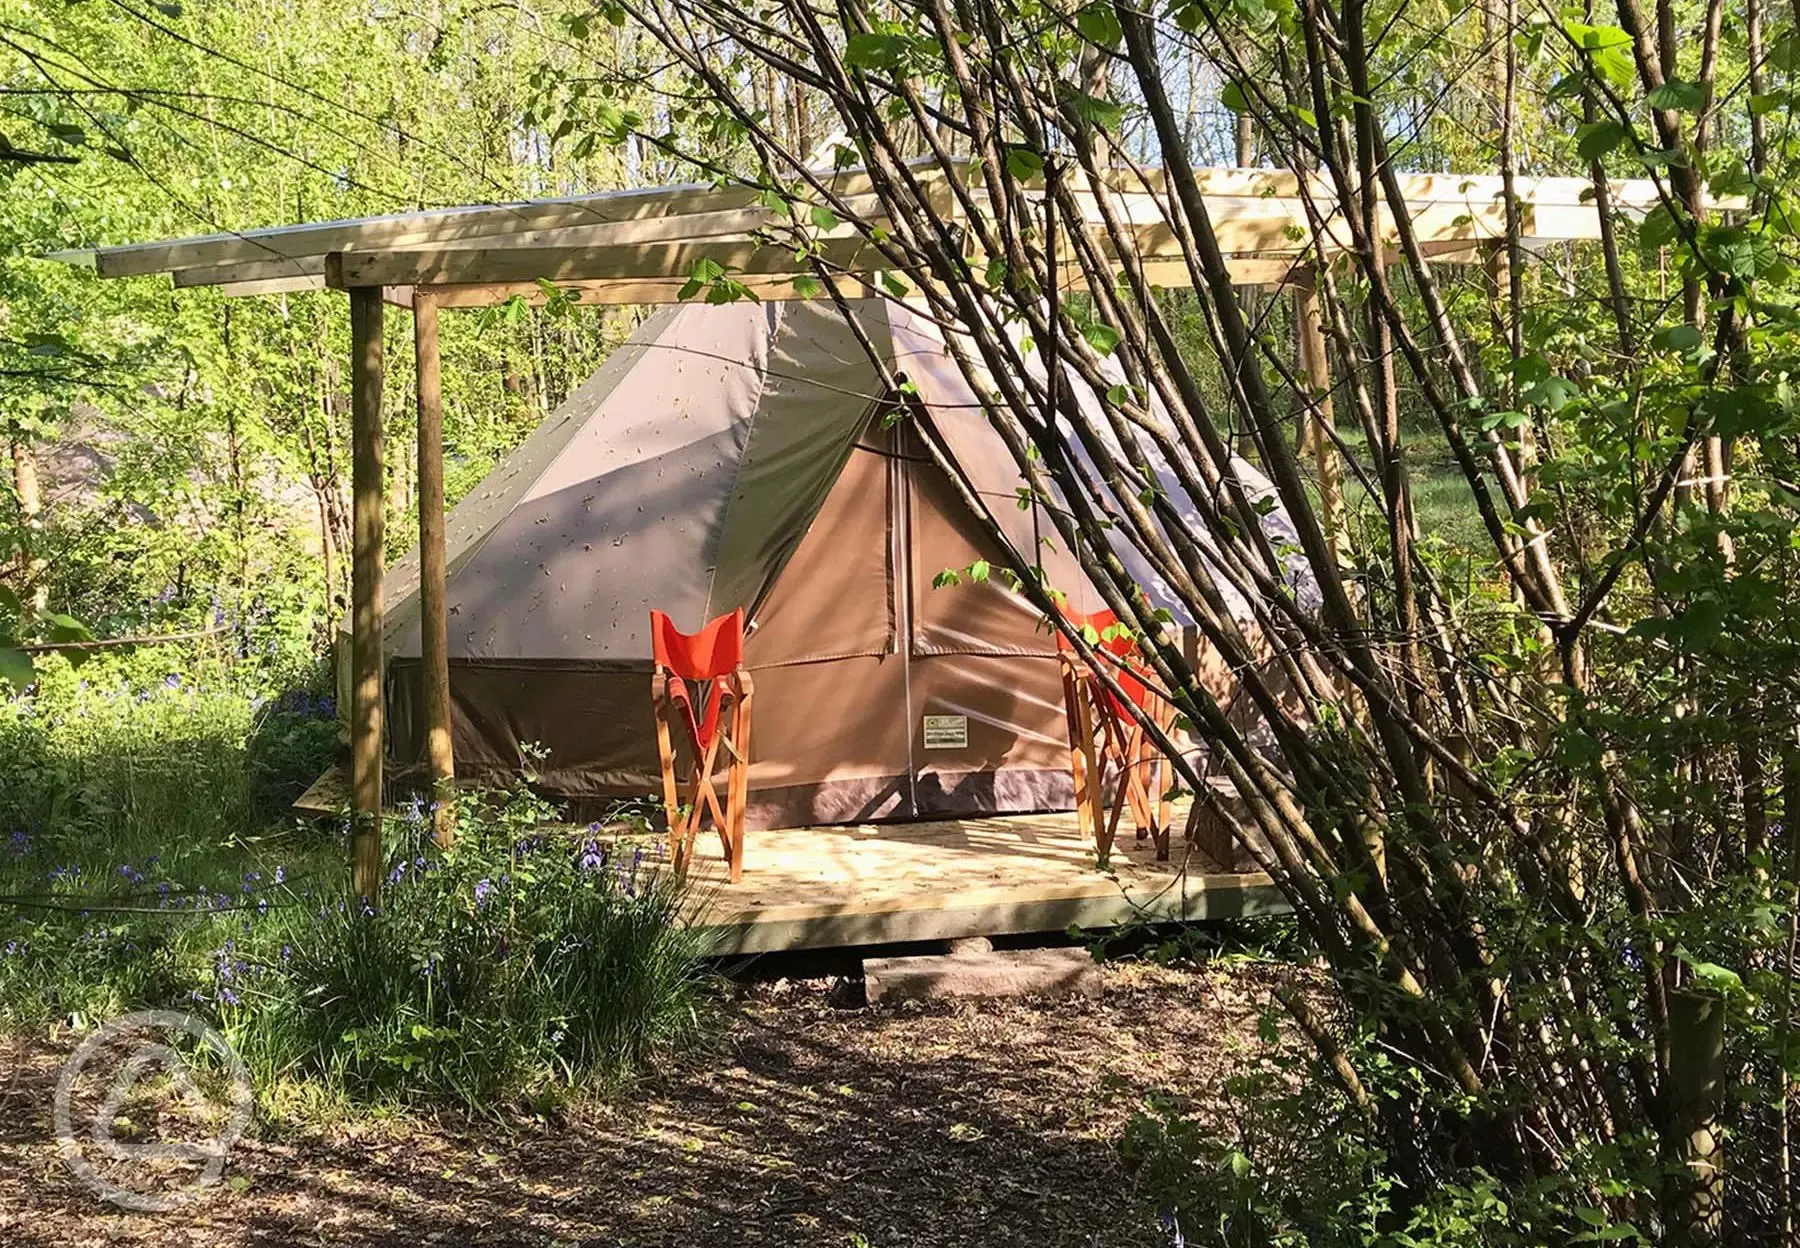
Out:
{"x": 683, "y": 474}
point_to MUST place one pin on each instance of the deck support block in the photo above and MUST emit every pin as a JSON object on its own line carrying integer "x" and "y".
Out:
{"x": 1019, "y": 973}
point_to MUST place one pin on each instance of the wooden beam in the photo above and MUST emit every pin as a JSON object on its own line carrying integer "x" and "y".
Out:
{"x": 434, "y": 627}
{"x": 438, "y": 227}
{"x": 365, "y": 592}
{"x": 628, "y": 291}
{"x": 1315, "y": 367}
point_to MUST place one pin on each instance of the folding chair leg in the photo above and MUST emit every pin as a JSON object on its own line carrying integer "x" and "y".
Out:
{"x": 1084, "y": 762}
{"x": 737, "y": 789}
{"x": 671, "y": 794}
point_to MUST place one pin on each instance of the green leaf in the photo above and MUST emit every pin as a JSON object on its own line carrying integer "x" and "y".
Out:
{"x": 1099, "y": 24}
{"x": 945, "y": 579}
{"x": 1023, "y": 163}
{"x": 1680, "y": 95}
{"x": 66, "y": 627}
{"x": 824, "y": 218}
{"x": 1097, "y": 112}
{"x": 1101, "y": 336}
{"x": 1676, "y": 338}
{"x": 16, "y": 669}
{"x": 1711, "y": 974}
{"x": 1233, "y": 97}
{"x": 978, "y": 571}
{"x": 806, "y": 286}
{"x": 1763, "y": 104}
{"x": 1595, "y": 140}
{"x": 875, "y": 51}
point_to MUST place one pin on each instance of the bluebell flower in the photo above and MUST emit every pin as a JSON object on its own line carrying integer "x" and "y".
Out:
{"x": 287, "y": 951}
{"x": 482, "y": 888}
{"x": 280, "y": 875}
{"x": 131, "y": 873}
{"x": 172, "y": 680}
{"x": 21, "y": 844}
{"x": 593, "y": 857}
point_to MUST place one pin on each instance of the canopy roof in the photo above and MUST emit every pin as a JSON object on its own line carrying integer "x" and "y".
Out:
{"x": 640, "y": 246}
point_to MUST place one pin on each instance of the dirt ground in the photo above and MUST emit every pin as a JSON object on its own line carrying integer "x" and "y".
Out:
{"x": 941, "y": 1124}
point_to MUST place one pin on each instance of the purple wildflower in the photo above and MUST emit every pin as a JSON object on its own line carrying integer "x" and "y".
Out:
{"x": 482, "y": 888}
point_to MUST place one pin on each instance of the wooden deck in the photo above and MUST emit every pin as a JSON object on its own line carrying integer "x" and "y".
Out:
{"x": 820, "y": 888}
{"x": 876, "y": 884}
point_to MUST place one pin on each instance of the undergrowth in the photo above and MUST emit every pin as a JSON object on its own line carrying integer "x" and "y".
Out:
{"x": 146, "y": 860}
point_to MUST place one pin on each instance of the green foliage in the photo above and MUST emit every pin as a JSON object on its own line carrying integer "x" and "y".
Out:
{"x": 147, "y": 859}
{"x": 522, "y": 961}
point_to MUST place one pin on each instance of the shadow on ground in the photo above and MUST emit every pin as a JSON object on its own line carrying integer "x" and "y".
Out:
{"x": 806, "y": 1124}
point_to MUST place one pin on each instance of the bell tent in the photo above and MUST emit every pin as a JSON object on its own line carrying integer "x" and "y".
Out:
{"x": 746, "y": 455}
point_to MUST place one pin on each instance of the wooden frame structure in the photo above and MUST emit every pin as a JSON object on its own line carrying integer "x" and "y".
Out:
{"x": 645, "y": 246}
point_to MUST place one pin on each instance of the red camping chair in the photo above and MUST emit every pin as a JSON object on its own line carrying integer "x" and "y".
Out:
{"x": 1105, "y": 737}
{"x": 697, "y": 677}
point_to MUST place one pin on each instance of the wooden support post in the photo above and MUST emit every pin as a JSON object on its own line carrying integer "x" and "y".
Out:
{"x": 1696, "y": 1084}
{"x": 434, "y": 628}
{"x": 1315, "y": 367}
{"x": 365, "y": 592}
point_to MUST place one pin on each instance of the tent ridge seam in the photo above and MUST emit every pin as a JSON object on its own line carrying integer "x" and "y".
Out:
{"x": 737, "y": 474}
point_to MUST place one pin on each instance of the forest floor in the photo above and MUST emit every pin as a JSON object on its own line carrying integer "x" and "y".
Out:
{"x": 803, "y": 1123}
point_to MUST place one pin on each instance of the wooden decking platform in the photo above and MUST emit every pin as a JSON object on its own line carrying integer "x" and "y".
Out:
{"x": 830, "y": 887}
{"x": 877, "y": 884}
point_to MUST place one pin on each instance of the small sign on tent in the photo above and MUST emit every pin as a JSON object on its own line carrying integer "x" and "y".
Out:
{"x": 946, "y": 732}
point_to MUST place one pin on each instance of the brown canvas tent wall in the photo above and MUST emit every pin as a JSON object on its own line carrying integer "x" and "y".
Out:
{"x": 745, "y": 455}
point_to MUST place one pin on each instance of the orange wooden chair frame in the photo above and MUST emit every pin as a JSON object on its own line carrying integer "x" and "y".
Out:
{"x": 712, "y": 660}
{"x": 1104, "y": 736}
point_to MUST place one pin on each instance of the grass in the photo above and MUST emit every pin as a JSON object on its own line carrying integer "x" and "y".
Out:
{"x": 147, "y": 860}
{"x": 1440, "y": 494}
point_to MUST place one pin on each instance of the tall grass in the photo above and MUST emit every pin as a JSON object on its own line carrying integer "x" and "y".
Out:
{"x": 145, "y": 860}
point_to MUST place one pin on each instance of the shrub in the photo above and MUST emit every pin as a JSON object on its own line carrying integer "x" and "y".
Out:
{"x": 522, "y": 960}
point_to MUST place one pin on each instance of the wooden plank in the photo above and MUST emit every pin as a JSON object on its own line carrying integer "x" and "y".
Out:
{"x": 876, "y": 884}
{"x": 687, "y": 212}
{"x": 437, "y": 226}
{"x": 630, "y": 291}
{"x": 367, "y": 523}
{"x": 463, "y": 266}
{"x": 434, "y": 626}
{"x": 1209, "y": 899}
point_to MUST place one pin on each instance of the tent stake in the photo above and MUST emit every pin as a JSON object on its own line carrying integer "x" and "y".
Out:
{"x": 434, "y": 629}
{"x": 365, "y": 592}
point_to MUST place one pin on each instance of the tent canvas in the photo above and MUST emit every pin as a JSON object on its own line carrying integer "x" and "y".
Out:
{"x": 746, "y": 455}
